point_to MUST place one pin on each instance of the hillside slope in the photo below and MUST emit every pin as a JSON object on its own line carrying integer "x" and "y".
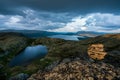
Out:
{"x": 11, "y": 42}
{"x": 74, "y": 62}
{"x": 10, "y": 45}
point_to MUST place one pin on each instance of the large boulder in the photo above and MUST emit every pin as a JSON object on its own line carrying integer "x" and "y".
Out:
{"x": 20, "y": 76}
{"x": 96, "y": 51}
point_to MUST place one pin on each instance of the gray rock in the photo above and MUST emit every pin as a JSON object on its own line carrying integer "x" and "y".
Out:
{"x": 66, "y": 60}
{"x": 91, "y": 60}
{"x": 50, "y": 67}
{"x": 114, "y": 53}
{"x": 77, "y": 58}
{"x": 20, "y": 76}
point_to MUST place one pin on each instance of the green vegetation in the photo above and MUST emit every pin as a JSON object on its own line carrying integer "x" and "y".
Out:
{"x": 57, "y": 50}
{"x": 10, "y": 44}
{"x": 62, "y": 48}
{"x": 1, "y": 50}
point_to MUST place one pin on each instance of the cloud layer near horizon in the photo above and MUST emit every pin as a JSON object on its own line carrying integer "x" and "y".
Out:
{"x": 61, "y": 22}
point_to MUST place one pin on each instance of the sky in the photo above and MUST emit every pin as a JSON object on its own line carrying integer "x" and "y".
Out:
{"x": 60, "y": 15}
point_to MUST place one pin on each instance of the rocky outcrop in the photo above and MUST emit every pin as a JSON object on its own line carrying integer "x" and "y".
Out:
{"x": 96, "y": 51}
{"x": 97, "y": 59}
{"x": 71, "y": 59}
{"x": 20, "y": 76}
{"x": 111, "y": 43}
{"x": 78, "y": 69}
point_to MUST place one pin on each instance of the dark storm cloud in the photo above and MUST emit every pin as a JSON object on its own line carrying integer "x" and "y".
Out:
{"x": 61, "y": 15}
{"x": 82, "y": 6}
{"x": 61, "y": 22}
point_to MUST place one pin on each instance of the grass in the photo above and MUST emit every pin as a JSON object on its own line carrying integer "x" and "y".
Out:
{"x": 57, "y": 50}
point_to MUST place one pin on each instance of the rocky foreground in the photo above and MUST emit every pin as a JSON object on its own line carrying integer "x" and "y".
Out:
{"x": 95, "y": 58}
{"x": 77, "y": 69}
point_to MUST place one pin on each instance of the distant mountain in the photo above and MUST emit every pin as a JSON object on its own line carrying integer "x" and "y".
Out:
{"x": 36, "y": 33}
{"x": 89, "y": 33}
{"x": 39, "y": 33}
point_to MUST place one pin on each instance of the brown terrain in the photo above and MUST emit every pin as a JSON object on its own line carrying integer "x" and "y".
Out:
{"x": 94, "y": 59}
{"x": 77, "y": 69}
{"x": 11, "y": 42}
{"x": 10, "y": 45}
{"x": 96, "y": 51}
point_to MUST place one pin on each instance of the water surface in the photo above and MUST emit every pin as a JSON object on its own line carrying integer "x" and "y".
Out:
{"x": 29, "y": 54}
{"x": 66, "y": 37}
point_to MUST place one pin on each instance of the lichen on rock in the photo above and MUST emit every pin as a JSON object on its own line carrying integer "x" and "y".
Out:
{"x": 96, "y": 51}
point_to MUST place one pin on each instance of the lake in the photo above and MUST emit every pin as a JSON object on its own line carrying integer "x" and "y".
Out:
{"x": 29, "y": 54}
{"x": 66, "y": 37}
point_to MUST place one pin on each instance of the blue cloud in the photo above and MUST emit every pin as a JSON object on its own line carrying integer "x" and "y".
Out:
{"x": 61, "y": 22}
{"x": 104, "y": 22}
